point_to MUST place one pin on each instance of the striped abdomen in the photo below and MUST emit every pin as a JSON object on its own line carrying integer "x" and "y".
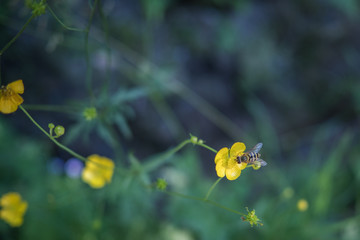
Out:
{"x": 249, "y": 157}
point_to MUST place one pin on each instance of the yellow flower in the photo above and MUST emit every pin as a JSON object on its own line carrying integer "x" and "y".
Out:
{"x": 302, "y": 205}
{"x": 98, "y": 171}
{"x": 9, "y": 96}
{"x": 13, "y": 209}
{"x": 226, "y": 162}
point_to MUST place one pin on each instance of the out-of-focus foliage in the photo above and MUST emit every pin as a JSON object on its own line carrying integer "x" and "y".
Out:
{"x": 284, "y": 73}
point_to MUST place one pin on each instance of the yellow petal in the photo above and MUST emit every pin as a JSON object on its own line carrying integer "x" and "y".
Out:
{"x": 17, "y": 86}
{"x": 93, "y": 179}
{"x": 7, "y": 105}
{"x": 98, "y": 171}
{"x": 104, "y": 162}
{"x": 11, "y": 218}
{"x": 220, "y": 168}
{"x": 237, "y": 149}
{"x": 13, "y": 209}
{"x": 232, "y": 163}
{"x": 10, "y": 199}
{"x": 16, "y": 99}
{"x": 242, "y": 165}
{"x": 97, "y": 182}
{"x": 222, "y": 154}
{"x": 233, "y": 173}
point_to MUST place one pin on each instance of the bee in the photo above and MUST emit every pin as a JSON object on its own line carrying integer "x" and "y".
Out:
{"x": 252, "y": 157}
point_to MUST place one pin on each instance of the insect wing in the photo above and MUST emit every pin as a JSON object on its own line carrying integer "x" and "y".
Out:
{"x": 256, "y": 148}
{"x": 262, "y": 162}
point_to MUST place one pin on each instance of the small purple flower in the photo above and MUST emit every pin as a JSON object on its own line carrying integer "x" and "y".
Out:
{"x": 73, "y": 167}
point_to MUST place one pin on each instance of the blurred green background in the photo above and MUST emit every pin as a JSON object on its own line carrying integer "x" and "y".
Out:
{"x": 285, "y": 73}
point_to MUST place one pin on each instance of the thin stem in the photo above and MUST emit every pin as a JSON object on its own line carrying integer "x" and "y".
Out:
{"x": 87, "y": 55}
{"x": 108, "y": 50}
{"x": 159, "y": 160}
{"x": 14, "y": 39}
{"x": 207, "y": 147}
{"x": 204, "y": 200}
{"x": 78, "y": 156}
{"x": 61, "y": 23}
{"x": 52, "y": 138}
{"x": 17, "y": 35}
{"x": 212, "y": 188}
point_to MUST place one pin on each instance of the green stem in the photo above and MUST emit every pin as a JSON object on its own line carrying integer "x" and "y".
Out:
{"x": 105, "y": 25}
{"x": 205, "y": 201}
{"x": 207, "y": 147}
{"x": 61, "y": 23}
{"x": 17, "y": 35}
{"x": 52, "y": 138}
{"x": 212, "y": 188}
{"x": 78, "y": 156}
{"x": 159, "y": 160}
{"x": 87, "y": 55}
{"x": 14, "y": 39}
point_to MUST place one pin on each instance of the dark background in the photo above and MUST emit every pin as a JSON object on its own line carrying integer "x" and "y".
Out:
{"x": 285, "y": 73}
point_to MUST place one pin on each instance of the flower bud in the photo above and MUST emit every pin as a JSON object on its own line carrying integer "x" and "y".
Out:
{"x": 161, "y": 184}
{"x": 193, "y": 139}
{"x": 90, "y": 113}
{"x": 252, "y": 218}
{"x": 59, "y": 130}
{"x": 256, "y": 165}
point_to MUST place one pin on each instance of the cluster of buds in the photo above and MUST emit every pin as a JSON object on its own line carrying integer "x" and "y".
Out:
{"x": 58, "y": 130}
{"x": 251, "y": 218}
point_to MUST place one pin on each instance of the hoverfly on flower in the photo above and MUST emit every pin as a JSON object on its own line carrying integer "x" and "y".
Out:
{"x": 252, "y": 157}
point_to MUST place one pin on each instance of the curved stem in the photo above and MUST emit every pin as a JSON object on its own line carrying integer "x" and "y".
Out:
{"x": 212, "y": 188}
{"x": 17, "y": 35}
{"x": 159, "y": 160}
{"x": 61, "y": 23}
{"x": 14, "y": 39}
{"x": 87, "y": 55}
{"x": 52, "y": 138}
{"x": 78, "y": 156}
{"x": 207, "y": 147}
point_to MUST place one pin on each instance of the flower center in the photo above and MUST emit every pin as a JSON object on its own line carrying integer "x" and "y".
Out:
{"x": 6, "y": 91}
